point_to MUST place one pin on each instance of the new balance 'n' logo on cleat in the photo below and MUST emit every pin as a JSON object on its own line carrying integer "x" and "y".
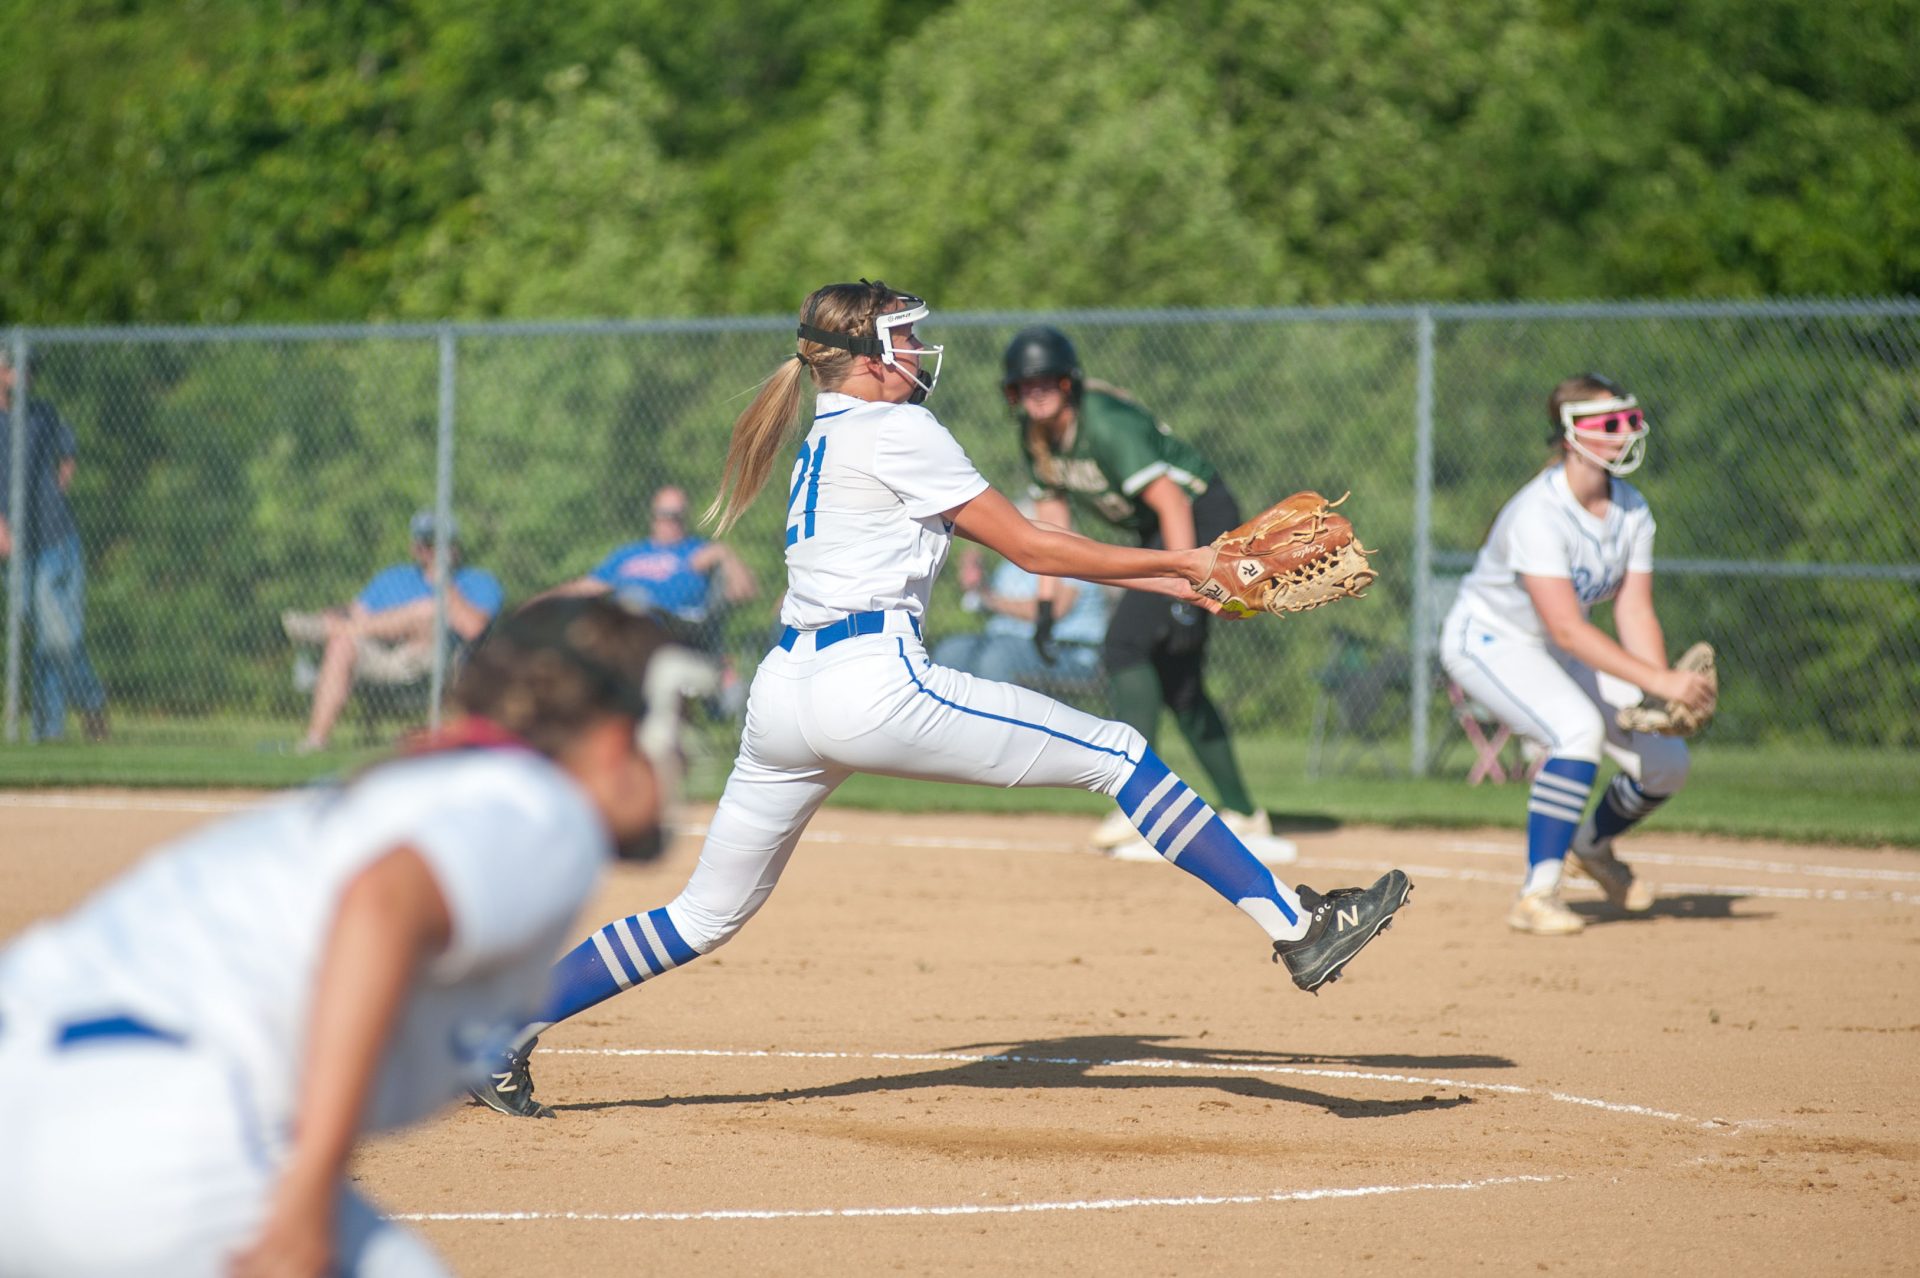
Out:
{"x": 1339, "y": 925}
{"x": 510, "y": 1090}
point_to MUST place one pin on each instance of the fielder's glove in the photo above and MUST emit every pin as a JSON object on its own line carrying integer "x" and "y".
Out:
{"x": 1671, "y": 718}
{"x": 1288, "y": 558}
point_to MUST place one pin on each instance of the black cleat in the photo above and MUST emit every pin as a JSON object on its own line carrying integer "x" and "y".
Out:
{"x": 511, "y": 1090}
{"x": 1339, "y": 926}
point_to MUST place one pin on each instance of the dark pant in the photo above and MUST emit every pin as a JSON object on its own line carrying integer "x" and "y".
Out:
{"x": 57, "y": 582}
{"x": 1160, "y": 631}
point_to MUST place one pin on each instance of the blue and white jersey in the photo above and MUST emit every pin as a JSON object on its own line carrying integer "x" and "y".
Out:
{"x": 1544, "y": 532}
{"x": 217, "y": 936}
{"x": 864, "y": 504}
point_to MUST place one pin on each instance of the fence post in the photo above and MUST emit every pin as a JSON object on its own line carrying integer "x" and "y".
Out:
{"x": 16, "y": 507}
{"x": 443, "y": 525}
{"x": 1421, "y": 679}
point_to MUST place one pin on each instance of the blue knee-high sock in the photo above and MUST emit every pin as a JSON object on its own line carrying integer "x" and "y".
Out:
{"x": 1622, "y": 806}
{"x": 1558, "y": 798}
{"x": 623, "y": 953}
{"x": 1187, "y": 832}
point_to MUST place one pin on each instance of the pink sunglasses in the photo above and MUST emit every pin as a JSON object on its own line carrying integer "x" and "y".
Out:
{"x": 1627, "y": 421}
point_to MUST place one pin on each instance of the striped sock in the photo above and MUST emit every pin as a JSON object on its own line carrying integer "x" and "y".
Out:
{"x": 1558, "y": 798}
{"x": 619, "y": 955}
{"x": 1623, "y": 805}
{"x": 1187, "y": 832}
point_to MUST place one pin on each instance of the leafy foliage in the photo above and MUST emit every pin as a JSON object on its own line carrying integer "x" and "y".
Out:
{"x": 229, "y": 161}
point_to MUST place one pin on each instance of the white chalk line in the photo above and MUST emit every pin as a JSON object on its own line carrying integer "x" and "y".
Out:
{"x": 1642, "y": 856}
{"x": 1662, "y": 887}
{"x": 1203, "y": 1067}
{"x": 980, "y": 1209}
{"x": 165, "y": 803}
{"x": 127, "y": 803}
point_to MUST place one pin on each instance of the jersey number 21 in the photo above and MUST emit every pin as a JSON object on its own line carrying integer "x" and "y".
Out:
{"x": 806, "y": 474}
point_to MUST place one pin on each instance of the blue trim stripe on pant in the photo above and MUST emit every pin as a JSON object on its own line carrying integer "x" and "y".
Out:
{"x": 997, "y": 718}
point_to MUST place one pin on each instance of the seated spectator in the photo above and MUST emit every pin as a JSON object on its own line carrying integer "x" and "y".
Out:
{"x": 386, "y": 634}
{"x": 670, "y": 574}
{"x": 1004, "y": 650}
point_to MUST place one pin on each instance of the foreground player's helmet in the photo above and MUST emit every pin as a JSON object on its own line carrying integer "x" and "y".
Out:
{"x": 1613, "y": 414}
{"x": 908, "y": 310}
{"x": 1040, "y": 351}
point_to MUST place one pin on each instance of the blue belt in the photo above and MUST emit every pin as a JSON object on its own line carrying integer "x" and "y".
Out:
{"x": 109, "y": 1027}
{"x": 860, "y": 623}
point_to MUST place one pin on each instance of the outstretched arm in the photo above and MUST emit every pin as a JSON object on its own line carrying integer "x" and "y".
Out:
{"x": 997, "y": 524}
{"x": 391, "y": 921}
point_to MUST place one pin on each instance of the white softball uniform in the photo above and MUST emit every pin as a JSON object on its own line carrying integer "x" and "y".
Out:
{"x": 850, "y": 687}
{"x": 1495, "y": 647}
{"x": 151, "y": 1042}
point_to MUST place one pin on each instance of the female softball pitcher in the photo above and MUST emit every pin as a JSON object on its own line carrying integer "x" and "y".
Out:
{"x": 876, "y": 493}
{"x": 1518, "y": 641}
{"x": 189, "y": 1056}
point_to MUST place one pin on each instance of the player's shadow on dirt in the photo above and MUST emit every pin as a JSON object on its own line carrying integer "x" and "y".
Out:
{"x": 1129, "y": 1063}
{"x": 1303, "y": 822}
{"x": 1677, "y": 905}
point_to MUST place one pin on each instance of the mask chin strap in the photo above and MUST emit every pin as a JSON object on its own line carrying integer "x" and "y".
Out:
{"x": 1629, "y": 458}
{"x": 912, "y": 310}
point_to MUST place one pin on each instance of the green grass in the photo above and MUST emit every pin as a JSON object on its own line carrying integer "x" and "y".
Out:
{"x": 1807, "y": 794}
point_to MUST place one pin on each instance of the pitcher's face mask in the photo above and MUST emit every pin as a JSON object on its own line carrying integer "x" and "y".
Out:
{"x": 893, "y": 340}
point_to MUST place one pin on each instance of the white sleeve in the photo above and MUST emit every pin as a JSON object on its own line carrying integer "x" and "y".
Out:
{"x": 515, "y": 865}
{"x": 919, "y": 459}
{"x": 1537, "y": 541}
{"x": 1640, "y": 557}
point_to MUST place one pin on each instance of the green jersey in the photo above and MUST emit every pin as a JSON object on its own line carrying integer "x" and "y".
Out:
{"x": 1116, "y": 449}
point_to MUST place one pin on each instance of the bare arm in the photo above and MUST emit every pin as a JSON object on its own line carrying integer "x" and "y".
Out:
{"x": 1170, "y": 502}
{"x": 391, "y": 921}
{"x": 735, "y": 577}
{"x": 6, "y": 539}
{"x": 1637, "y": 623}
{"x": 1064, "y": 593}
{"x": 64, "y": 475}
{"x": 579, "y": 587}
{"x": 1559, "y": 610}
{"x": 995, "y": 523}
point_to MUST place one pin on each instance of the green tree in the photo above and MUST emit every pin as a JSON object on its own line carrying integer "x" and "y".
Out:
{"x": 1007, "y": 157}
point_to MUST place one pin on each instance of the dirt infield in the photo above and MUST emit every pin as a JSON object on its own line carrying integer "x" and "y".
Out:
{"x": 957, "y": 1044}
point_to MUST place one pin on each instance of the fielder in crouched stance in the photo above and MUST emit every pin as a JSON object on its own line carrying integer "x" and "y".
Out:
{"x": 876, "y": 492}
{"x": 1519, "y": 642}
{"x": 191, "y": 1055}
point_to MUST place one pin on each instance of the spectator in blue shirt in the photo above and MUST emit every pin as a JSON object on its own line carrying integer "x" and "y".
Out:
{"x": 47, "y": 539}
{"x": 670, "y": 574}
{"x": 386, "y": 634}
{"x": 1004, "y": 649}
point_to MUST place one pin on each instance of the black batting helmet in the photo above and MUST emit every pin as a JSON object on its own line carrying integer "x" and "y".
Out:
{"x": 1040, "y": 351}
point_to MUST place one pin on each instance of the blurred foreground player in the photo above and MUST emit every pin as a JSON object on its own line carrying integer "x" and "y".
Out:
{"x": 189, "y": 1057}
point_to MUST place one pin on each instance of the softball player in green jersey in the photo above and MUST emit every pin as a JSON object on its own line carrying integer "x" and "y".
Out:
{"x": 1091, "y": 447}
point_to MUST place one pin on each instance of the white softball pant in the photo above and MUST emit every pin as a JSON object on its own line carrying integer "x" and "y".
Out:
{"x": 131, "y": 1156}
{"x": 874, "y": 703}
{"x": 1562, "y": 704}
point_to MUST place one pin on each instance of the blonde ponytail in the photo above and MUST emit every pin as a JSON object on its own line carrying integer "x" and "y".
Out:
{"x": 759, "y": 434}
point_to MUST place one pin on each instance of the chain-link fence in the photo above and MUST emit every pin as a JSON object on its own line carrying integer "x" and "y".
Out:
{"x": 224, "y": 478}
